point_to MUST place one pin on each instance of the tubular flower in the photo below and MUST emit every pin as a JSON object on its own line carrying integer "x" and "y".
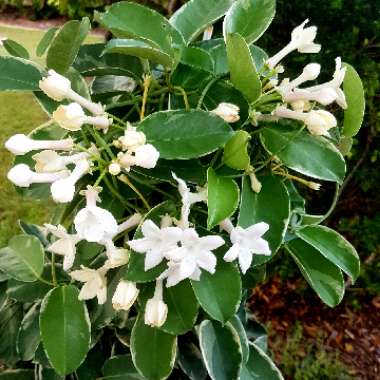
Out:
{"x": 156, "y": 310}
{"x": 125, "y": 295}
{"x": 49, "y": 161}
{"x": 228, "y": 112}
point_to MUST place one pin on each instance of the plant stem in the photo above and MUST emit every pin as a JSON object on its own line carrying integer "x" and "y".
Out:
{"x": 125, "y": 179}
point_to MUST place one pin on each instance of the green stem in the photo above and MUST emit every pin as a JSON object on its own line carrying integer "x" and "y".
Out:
{"x": 53, "y": 274}
{"x": 184, "y": 94}
{"x": 205, "y": 91}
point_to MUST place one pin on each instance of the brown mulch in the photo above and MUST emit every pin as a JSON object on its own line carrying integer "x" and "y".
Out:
{"x": 355, "y": 334}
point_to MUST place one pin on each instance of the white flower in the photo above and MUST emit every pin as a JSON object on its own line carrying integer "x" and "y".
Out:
{"x": 194, "y": 254}
{"x": 95, "y": 283}
{"x": 125, "y": 295}
{"x": 131, "y": 139}
{"x": 22, "y": 176}
{"x": 188, "y": 199}
{"x": 93, "y": 223}
{"x": 49, "y": 161}
{"x": 246, "y": 243}
{"x": 324, "y": 96}
{"x": 114, "y": 168}
{"x": 20, "y": 144}
{"x": 156, "y": 310}
{"x": 63, "y": 190}
{"x": 58, "y": 88}
{"x": 228, "y": 112}
{"x": 302, "y": 40}
{"x": 125, "y": 160}
{"x": 256, "y": 185}
{"x": 131, "y": 222}
{"x": 117, "y": 257}
{"x": 156, "y": 243}
{"x": 65, "y": 245}
{"x": 146, "y": 156}
{"x": 319, "y": 122}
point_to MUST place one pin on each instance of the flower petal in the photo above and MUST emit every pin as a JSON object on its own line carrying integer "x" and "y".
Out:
{"x": 207, "y": 261}
{"x": 211, "y": 242}
{"x": 233, "y": 253}
{"x": 149, "y": 229}
{"x": 152, "y": 259}
{"x": 245, "y": 260}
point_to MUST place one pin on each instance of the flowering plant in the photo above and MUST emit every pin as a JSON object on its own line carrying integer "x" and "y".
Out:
{"x": 177, "y": 162}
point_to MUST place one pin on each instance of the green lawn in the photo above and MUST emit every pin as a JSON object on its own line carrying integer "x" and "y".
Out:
{"x": 19, "y": 113}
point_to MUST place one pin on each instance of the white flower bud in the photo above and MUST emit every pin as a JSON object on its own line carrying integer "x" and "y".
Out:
{"x": 49, "y": 161}
{"x": 255, "y": 183}
{"x": 20, "y": 144}
{"x": 146, "y": 156}
{"x": 156, "y": 310}
{"x": 70, "y": 117}
{"x": 319, "y": 122}
{"x": 126, "y": 160}
{"x": 228, "y": 112}
{"x": 132, "y": 139}
{"x": 311, "y": 71}
{"x": 125, "y": 295}
{"x": 114, "y": 168}
{"x": 55, "y": 86}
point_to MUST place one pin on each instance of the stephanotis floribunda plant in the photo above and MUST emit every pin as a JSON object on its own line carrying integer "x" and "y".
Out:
{"x": 177, "y": 158}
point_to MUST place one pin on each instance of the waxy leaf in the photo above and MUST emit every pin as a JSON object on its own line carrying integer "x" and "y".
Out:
{"x": 185, "y": 134}
{"x": 242, "y": 68}
{"x": 244, "y": 343}
{"x": 197, "y": 58}
{"x": 23, "y": 259}
{"x": 190, "y": 359}
{"x": 354, "y": 92}
{"x": 120, "y": 367}
{"x": 249, "y": 18}
{"x": 222, "y": 198}
{"x": 45, "y": 41}
{"x": 333, "y": 247}
{"x": 307, "y": 154}
{"x": 15, "y": 49}
{"x": 196, "y": 15}
{"x": 236, "y": 151}
{"x": 219, "y": 294}
{"x": 28, "y": 337}
{"x": 272, "y": 206}
{"x": 321, "y": 274}
{"x": 18, "y": 74}
{"x": 153, "y": 351}
{"x": 221, "y": 350}
{"x": 65, "y": 46}
{"x": 65, "y": 329}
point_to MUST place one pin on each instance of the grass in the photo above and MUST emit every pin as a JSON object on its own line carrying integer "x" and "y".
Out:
{"x": 19, "y": 113}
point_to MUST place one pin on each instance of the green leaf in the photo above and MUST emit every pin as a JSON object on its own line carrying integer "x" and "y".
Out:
{"x": 197, "y": 58}
{"x": 139, "y": 49}
{"x": 310, "y": 155}
{"x": 239, "y": 328}
{"x": 354, "y": 92}
{"x": 272, "y": 206}
{"x": 249, "y": 18}
{"x": 185, "y": 134}
{"x": 222, "y": 198}
{"x": 23, "y": 259}
{"x": 15, "y": 49}
{"x": 27, "y": 292}
{"x": 259, "y": 366}
{"x": 196, "y": 15}
{"x": 333, "y": 247}
{"x": 219, "y": 293}
{"x": 236, "y": 151}
{"x": 153, "y": 351}
{"x": 18, "y": 74}
{"x": 221, "y": 350}
{"x": 120, "y": 367}
{"x": 112, "y": 85}
{"x": 65, "y": 46}
{"x": 45, "y": 41}
{"x": 17, "y": 374}
{"x": 28, "y": 337}
{"x": 65, "y": 329}
{"x": 136, "y": 272}
{"x": 321, "y": 274}
{"x": 190, "y": 359}
{"x": 242, "y": 68}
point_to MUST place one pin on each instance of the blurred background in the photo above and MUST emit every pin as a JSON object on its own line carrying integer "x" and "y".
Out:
{"x": 309, "y": 340}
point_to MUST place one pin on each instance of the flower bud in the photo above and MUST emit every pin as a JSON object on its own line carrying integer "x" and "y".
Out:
{"x": 70, "y": 117}
{"x": 132, "y": 139}
{"x": 255, "y": 183}
{"x": 156, "y": 310}
{"x": 114, "y": 168}
{"x": 311, "y": 71}
{"x": 319, "y": 122}
{"x": 146, "y": 156}
{"x": 228, "y": 112}
{"x": 125, "y": 295}
{"x": 55, "y": 86}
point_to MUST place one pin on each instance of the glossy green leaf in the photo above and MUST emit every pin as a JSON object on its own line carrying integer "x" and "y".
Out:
{"x": 65, "y": 329}
{"x": 239, "y": 328}
{"x": 153, "y": 351}
{"x": 136, "y": 272}
{"x": 272, "y": 206}
{"x": 249, "y": 18}
{"x": 18, "y": 74}
{"x": 15, "y": 49}
{"x": 17, "y": 374}
{"x": 236, "y": 151}
{"x": 259, "y": 366}
{"x": 219, "y": 294}
{"x": 139, "y": 49}
{"x": 196, "y": 15}
{"x": 198, "y": 58}
{"x": 321, "y": 274}
{"x": 242, "y": 68}
{"x": 23, "y": 258}
{"x": 28, "y": 337}
{"x": 354, "y": 92}
{"x": 45, "y": 41}
{"x": 65, "y": 46}
{"x": 185, "y": 134}
{"x": 310, "y": 155}
{"x": 120, "y": 367}
{"x": 222, "y": 198}
{"x": 190, "y": 359}
{"x": 27, "y": 292}
{"x": 221, "y": 350}
{"x": 333, "y": 247}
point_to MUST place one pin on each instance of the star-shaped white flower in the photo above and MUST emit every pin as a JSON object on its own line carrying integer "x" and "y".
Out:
{"x": 65, "y": 245}
{"x": 247, "y": 242}
{"x": 156, "y": 242}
